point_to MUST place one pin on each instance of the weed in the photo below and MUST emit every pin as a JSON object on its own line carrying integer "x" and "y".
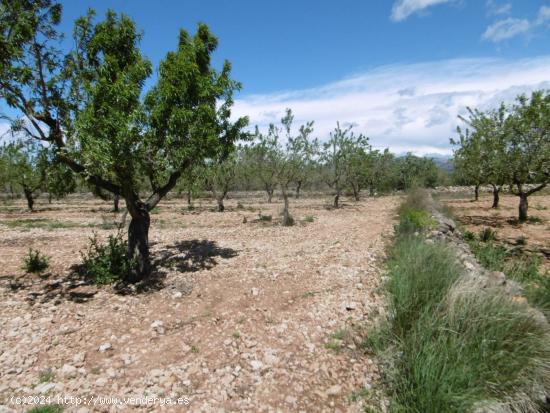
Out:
{"x": 107, "y": 263}
{"x": 46, "y": 376}
{"x": 264, "y": 218}
{"x": 309, "y": 218}
{"x": 534, "y": 220}
{"x": 469, "y": 236}
{"x": 487, "y": 234}
{"x": 194, "y": 349}
{"x": 35, "y": 262}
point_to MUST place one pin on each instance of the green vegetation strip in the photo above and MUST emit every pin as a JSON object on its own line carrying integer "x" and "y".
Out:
{"x": 451, "y": 346}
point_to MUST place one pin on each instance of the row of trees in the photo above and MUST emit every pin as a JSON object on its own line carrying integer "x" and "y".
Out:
{"x": 283, "y": 158}
{"x": 508, "y": 146}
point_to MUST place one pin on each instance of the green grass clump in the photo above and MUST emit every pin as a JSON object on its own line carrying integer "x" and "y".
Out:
{"x": 107, "y": 263}
{"x": 480, "y": 346}
{"x": 309, "y": 218}
{"x": 46, "y": 409}
{"x": 35, "y": 262}
{"x": 420, "y": 275}
{"x": 414, "y": 220}
{"x": 41, "y": 223}
{"x": 487, "y": 234}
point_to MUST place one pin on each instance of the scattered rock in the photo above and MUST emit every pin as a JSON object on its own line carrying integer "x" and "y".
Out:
{"x": 105, "y": 346}
{"x": 334, "y": 390}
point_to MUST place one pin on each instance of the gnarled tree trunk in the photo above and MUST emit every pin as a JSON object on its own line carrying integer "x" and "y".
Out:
{"x": 116, "y": 200}
{"x": 337, "y": 199}
{"x": 28, "y": 196}
{"x": 476, "y": 192}
{"x": 523, "y": 207}
{"x": 298, "y": 187}
{"x": 496, "y": 196}
{"x": 269, "y": 194}
{"x": 286, "y": 215}
{"x": 138, "y": 240}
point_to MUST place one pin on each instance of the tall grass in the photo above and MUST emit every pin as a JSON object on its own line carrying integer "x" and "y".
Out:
{"x": 457, "y": 347}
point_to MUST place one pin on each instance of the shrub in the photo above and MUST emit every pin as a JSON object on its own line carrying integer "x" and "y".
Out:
{"x": 414, "y": 220}
{"x": 265, "y": 218}
{"x": 35, "y": 262}
{"x": 309, "y": 218}
{"x": 469, "y": 236}
{"x": 487, "y": 234}
{"x": 107, "y": 263}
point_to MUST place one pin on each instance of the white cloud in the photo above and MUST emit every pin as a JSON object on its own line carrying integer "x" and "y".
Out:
{"x": 506, "y": 29}
{"x": 544, "y": 15}
{"x": 495, "y": 8}
{"x": 404, "y": 107}
{"x": 404, "y": 8}
{"x": 512, "y": 27}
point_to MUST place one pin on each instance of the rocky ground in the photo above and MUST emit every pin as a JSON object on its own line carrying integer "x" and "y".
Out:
{"x": 248, "y": 316}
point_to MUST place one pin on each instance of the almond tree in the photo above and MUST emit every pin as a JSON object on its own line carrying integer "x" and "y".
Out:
{"x": 219, "y": 178}
{"x": 338, "y": 157}
{"x": 22, "y": 169}
{"x": 88, "y": 106}
{"x": 527, "y": 149}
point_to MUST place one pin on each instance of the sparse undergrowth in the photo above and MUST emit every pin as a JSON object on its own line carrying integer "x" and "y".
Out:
{"x": 35, "y": 262}
{"x": 517, "y": 266}
{"x": 451, "y": 346}
{"x": 107, "y": 263}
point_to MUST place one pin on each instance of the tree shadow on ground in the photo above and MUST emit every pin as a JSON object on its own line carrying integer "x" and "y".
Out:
{"x": 183, "y": 256}
{"x": 489, "y": 221}
{"x": 190, "y": 256}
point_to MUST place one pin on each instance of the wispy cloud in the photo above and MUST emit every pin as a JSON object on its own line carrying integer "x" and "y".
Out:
{"x": 496, "y": 8}
{"x": 405, "y": 8}
{"x": 506, "y": 29}
{"x": 407, "y": 107}
{"x": 511, "y": 27}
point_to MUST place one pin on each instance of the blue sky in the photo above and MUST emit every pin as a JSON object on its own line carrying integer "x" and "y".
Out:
{"x": 401, "y": 70}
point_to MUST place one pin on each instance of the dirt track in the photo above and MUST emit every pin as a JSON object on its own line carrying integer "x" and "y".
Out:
{"x": 252, "y": 316}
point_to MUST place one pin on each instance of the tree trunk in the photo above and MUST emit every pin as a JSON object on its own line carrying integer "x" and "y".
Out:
{"x": 221, "y": 206}
{"x": 189, "y": 197}
{"x": 49, "y": 197}
{"x": 496, "y": 196}
{"x": 371, "y": 190}
{"x": 298, "y": 187}
{"x": 30, "y": 200}
{"x": 523, "y": 206}
{"x": 138, "y": 242}
{"x": 116, "y": 200}
{"x": 476, "y": 192}
{"x": 269, "y": 194}
{"x": 337, "y": 199}
{"x": 286, "y": 215}
{"x": 355, "y": 192}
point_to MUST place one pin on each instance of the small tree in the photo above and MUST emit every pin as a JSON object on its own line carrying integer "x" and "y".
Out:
{"x": 293, "y": 159}
{"x": 219, "y": 178}
{"x": 22, "y": 169}
{"x": 344, "y": 160}
{"x": 264, "y": 154}
{"x": 527, "y": 150}
{"x": 381, "y": 174}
